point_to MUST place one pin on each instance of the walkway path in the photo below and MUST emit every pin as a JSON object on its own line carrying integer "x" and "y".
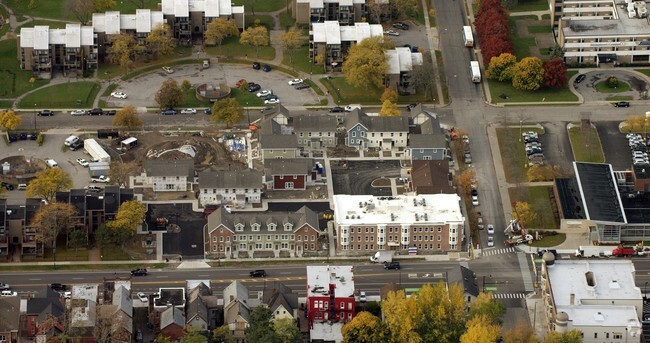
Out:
{"x": 433, "y": 40}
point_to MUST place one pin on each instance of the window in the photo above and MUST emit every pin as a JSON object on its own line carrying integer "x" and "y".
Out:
{"x": 327, "y": 305}
{"x": 288, "y": 185}
{"x": 354, "y": 134}
{"x": 439, "y": 229}
{"x": 268, "y": 237}
{"x": 342, "y": 305}
{"x": 312, "y": 246}
{"x": 227, "y": 239}
{"x": 617, "y": 335}
{"x": 255, "y": 227}
{"x": 271, "y": 227}
{"x": 258, "y": 245}
{"x": 299, "y": 238}
{"x": 234, "y": 238}
{"x": 239, "y": 227}
{"x": 220, "y": 238}
{"x": 288, "y": 227}
{"x": 214, "y": 238}
{"x": 313, "y": 238}
{"x": 214, "y": 248}
{"x": 439, "y": 238}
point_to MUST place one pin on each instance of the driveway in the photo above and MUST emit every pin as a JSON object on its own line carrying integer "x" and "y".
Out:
{"x": 357, "y": 178}
{"x": 557, "y": 148}
{"x": 638, "y": 85}
{"x": 186, "y": 236}
{"x": 142, "y": 90}
{"x": 615, "y": 145}
{"x": 414, "y": 36}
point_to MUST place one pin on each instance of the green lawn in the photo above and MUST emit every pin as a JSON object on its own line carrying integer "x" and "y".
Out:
{"x": 343, "y": 93}
{"x": 586, "y": 145}
{"x": 65, "y": 95}
{"x": 643, "y": 71}
{"x": 286, "y": 20}
{"x": 541, "y": 95}
{"x": 64, "y": 254}
{"x": 246, "y": 98}
{"x": 50, "y": 23}
{"x": 115, "y": 253}
{"x": 443, "y": 79}
{"x": 231, "y": 47}
{"x": 109, "y": 71}
{"x": 301, "y": 61}
{"x": 192, "y": 101}
{"x": 530, "y": 5}
{"x": 265, "y": 20}
{"x": 539, "y": 29}
{"x": 55, "y": 9}
{"x": 619, "y": 98}
{"x": 539, "y": 198}
{"x": 549, "y": 241}
{"x": 13, "y": 80}
{"x": 110, "y": 89}
{"x": 513, "y": 154}
{"x": 521, "y": 44}
{"x": 254, "y": 6}
{"x": 314, "y": 86}
{"x": 604, "y": 88}
{"x": 4, "y": 104}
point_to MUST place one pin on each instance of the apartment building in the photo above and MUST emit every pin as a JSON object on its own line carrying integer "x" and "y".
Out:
{"x": 428, "y": 223}
{"x": 332, "y": 40}
{"x": 165, "y": 176}
{"x": 139, "y": 25}
{"x": 345, "y": 12}
{"x": 235, "y": 188}
{"x": 69, "y": 51}
{"x": 189, "y": 18}
{"x": 373, "y": 131}
{"x": 401, "y": 61}
{"x": 315, "y": 132}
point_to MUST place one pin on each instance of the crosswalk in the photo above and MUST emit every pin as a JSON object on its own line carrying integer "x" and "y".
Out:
{"x": 509, "y": 296}
{"x": 498, "y": 251}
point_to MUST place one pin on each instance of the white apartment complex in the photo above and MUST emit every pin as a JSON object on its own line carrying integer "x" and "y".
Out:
{"x": 332, "y": 40}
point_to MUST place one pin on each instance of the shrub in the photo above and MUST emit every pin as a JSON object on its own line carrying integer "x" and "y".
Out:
{"x": 612, "y": 82}
{"x": 40, "y": 139}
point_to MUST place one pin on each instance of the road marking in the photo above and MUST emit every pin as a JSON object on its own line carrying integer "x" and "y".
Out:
{"x": 34, "y": 279}
{"x": 77, "y": 278}
{"x": 203, "y": 275}
{"x": 162, "y": 277}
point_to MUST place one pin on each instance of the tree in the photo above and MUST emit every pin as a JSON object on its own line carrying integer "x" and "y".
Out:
{"x": 365, "y": 64}
{"x": 484, "y": 305}
{"x": 377, "y": 9}
{"x": 525, "y": 213}
{"x": 104, "y": 237}
{"x": 320, "y": 59}
{"x": 556, "y": 52}
{"x": 543, "y": 173}
{"x": 640, "y": 123}
{"x": 77, "y": 239}
{"x": 127, "y": 118}
{"x": 52, "y": 219}
{"x": 502, "y": 67}
{"x": 529, "y": 74}
{"x": 119, "y": 172}
{"x": 218, "y": 30}
{"x": 495, "y": 46}
{"x": 227, "y": 111}
{"x": 160, "y": 41}
{"x": 555, "y": 73}
{"x": 260, "y": 327}
{"x": 292, "y": 40}
{"x": 485, "y": 5}
{"x": 424, "y": 77}
{"x": 286, "y": 330}
{"x": 222, "y": 334}
{"x": 573, "y": 336}
{"x": 80, "y": 9}
{"x": 365, "y": 328}
{"x": 169, "y": 95}
{"x": 193, "y": 336}
{"x": 255, "y": 36}
{"x": 185, "y": 86}
{"x": 479, "y": 330}
{"x": 47, "y": 183}
{"x": 9, "y": 120}
{"x": 129, "y": 216}
{"x": 389, "y": 94}
{"x": 520, "y": 333}
{"x": 465, "y": 180}
{"x": 404, "y": 8}
{"x": 162, "y": 339}
{"x": 123, "y": 50}
{"x": 389, "y": 109}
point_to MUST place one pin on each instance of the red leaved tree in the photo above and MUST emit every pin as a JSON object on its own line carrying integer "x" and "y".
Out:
{"x": 555, "y": 73}
{"x": 495, "y": 46}
{"x": 485, "y": 5}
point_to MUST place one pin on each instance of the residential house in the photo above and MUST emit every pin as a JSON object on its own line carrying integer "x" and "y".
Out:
{"x": 115, "y": 318}
{"x": 167, "y": 297}
{"x": 139, "y": 25}
{"x": 70, "y": 51}
{"x": 9, "y": 319}
{"x": 282, "y": 302}
{"x": 276, "y": 146}
{"x": 466, "y": 279}
{"x": 401, "y": 61}
{"x": 166, "y": 176}
{"x": 330, "y": 301}
{"x": 429, "y": 223}
{"x": 332, "y": 41}
{"x": 426, "y": 141}
{"x": 4, "y": 231}
{"x": 261, "y": 234}
{"x": 345, "y": 12}
{"x": 431, "y": 177}
{"x": 291, "y": 174}
{"x": 385, "y": 133}
{"x": 234, "y": 188}
{"x": 236, "y": 310}
{"x": 201, "y": 306}
{"x": 83, "y": 313}
{"x": 315, "y": 132}
{"x": 189, "y": 18}
{"x": 31, "y": 244}
{"x": 43, "y": 316}
{"x": 172, "y": 324}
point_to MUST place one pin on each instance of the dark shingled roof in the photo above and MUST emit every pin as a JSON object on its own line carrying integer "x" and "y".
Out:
{"x": 306, "y": 123}
{"x": 170, "y": 168}
{"x": 569, "y": 198}
{"x": 599, "y": 192}
{"x": 431, "y": 177}
{"x": 289, "y": 166}
{"x": 376, "y": 123}
{"x": 231, "y": 179}
{"x": 465, "y": 277}
{"x": 296, "y": 218}
{"x": 279, "y": 141}
{"x": 637, "y": 209}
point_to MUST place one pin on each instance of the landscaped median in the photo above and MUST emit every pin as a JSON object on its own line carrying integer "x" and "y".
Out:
{"x": 585, "y": 143}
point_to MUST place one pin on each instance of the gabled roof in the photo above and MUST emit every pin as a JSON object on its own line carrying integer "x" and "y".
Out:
{"x": 278, "y": 142}
{"x": 431, "y": 177}
{"x": 172, "y": 315}
{"x": 376, "y": 123}
{"x": 289, "y": 166}
{"x": 122, "y": 299}
{"x": 195, "y": 305}
{"x": 49, "y": 303}
{"x": 281, "y": 296}
{"x": 307, "y": 123}
{"x": 466, "y": 278}
{"x": 9, "y": 313}
{"x": 296, "y": 219}
{"x": 170, "y": 168}
{"x": 231, "y": 179}
{"x": 236, "y": 290}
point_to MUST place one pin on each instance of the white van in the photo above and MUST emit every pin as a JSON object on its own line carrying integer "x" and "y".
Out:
{"x": 8, "y": 293}
{"x": 51, "y": 163}
{"x": 71, "y": 140}
{"x": 22, "y": 186}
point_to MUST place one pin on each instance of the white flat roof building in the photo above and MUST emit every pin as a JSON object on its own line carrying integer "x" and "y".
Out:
{"x": 211, "y": 8}
{"x": 41, "y": 37}
{"x": 113, "y": 22}
{"x": 597, "y": 297}
{"x": 332, "y": 33}
{"x": 402, "y": 60}
{"x": 319, "y": 279}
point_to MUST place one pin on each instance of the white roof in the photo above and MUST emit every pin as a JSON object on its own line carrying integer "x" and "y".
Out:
{"x": 238, "y": 10}
{"x": 421, "y": 209}
{"x": 27, "y": 37}
{"x": 72, "y": 35}
{"x": 225, "y": 7}
{"x": 393, "y": 61}
{"x": 143, "y": 20}
{"x": 597, "y": 315}
{"x": 320, "y": 3}
{"x": 95, "y": 150}
{"x": 87, "y": 36}
{"x": 128, "y": 22}
{"x": 402, "y": 60}
{"x": 319, "y": 279}
{"x": 99, "y": 22}
{"x": 331, "y": 32}
{"x": 41, "y": 37}
{"x": 211, "y": 8}
{"x": 85, "y": 291}
{"x": 111, "y": 23}
{"x": 129, "y": 140}
{"x": 326, "y": 332}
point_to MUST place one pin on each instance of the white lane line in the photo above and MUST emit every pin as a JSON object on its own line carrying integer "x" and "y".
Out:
{"x": 34, "y": 279}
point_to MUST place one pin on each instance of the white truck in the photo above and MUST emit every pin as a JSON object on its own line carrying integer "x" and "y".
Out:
{"x": 382, "y": 257}
{"x": 476, "y": 71}
{"x": 593, "y": 251}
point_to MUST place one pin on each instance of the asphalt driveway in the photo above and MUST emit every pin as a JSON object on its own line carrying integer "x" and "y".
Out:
{"x": 638, "y": 85}
{"x": 557, "y": 148}
{"x": 358, "y": 177}
{"x": 615, "y": 145}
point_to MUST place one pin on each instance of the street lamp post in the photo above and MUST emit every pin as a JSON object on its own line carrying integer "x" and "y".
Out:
{"x": 34, "y": 116}
{"x": 520, "y": 128}
{"x": 248, "y": 114}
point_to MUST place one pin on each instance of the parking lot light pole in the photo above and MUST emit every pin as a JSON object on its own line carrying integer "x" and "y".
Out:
{"x": 34, "y": 116}
{"x": 521, "y": 122}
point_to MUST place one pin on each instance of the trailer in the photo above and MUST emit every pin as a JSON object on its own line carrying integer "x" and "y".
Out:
{"x": 96, "y": 151}
{"x": 476, "y": 71}
{"x": 593, "y": 251}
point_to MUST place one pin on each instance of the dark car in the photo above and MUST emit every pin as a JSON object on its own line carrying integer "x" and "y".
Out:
{"x": 266, "y": 68}
{"x": 410, "y": 107}
{"x": 400, "y": 25}
{"x": 269, "y": 97}
{"x": 110, "y": 112}
{"x": 622, "y": 104}
{"x": 256, "y": 66}
{"x": 337, "y": 109}
{"x": 168, "y": 112}
{"x": 7, "y": 186}
{"x": 581, "y": 78}
{"x": 266, "y": 110}
{"x": 207, "y": 110}
{"x": 95, "y": 112}
{"x": 258, "y": 273}
{"x": 76, "y": 145}
{"x": 45, "y": 113}
{"x": 254, "y": 87}
{"x": 139, "y": 272}
{"x": 543, "y": 251}
{"x": 58, "y": 287}
{"x": 301, "y": 85}
{"x": 392, "y": 265}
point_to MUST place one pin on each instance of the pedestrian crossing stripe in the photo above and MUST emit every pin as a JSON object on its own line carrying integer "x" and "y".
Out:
{"x": 509, "y": 296}
{"x": 498, "y": 251}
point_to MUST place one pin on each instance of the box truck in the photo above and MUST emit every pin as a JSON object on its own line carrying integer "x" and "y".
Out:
{"x": 593, "y": 251}
{"x": 476, "y": 71}
{"x": 382, "y": 257}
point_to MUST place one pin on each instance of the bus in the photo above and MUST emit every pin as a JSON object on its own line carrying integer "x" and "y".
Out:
{"x": 468, "y": 36}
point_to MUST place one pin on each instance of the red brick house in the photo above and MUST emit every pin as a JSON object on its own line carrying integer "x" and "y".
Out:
{"x": 291, "y": 173}
{"x": 172, "y": 324}
{"x": 330, "y": 298}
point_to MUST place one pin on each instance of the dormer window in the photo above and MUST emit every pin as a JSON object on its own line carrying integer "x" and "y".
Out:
{"x": 255, "y": 227}
{"x": 288, "y": 227}
{"x": 239, "y": 227}
{"x": 271, "y": 227}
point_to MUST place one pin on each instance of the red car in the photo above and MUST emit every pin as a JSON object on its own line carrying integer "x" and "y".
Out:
{"x": 240, "y": 82}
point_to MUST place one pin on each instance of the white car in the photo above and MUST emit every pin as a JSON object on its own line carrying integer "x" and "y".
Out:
{"x": 264, "y": 93}
{"x": 188, "y": 111}
{"x": 350, "y": 108}
{"x": 168, "y": 70}
{"x": 82, "y": 162}
{"x": 118, "y": 95}
{"x": 101, "y": 178}
{"x": 391, "y": 33}
{"x": 67, "y": 295}
{"x": 295, "y": 82}
{"x": 490, "y": 241}
{"x": 143, "y": 297}
{"x": 490, "y": 229}
{"x": 271, "y": 101}
{"x": 632, "y": 135}
{"x": 362, "y": 297}
{"x": 78, "y": 113}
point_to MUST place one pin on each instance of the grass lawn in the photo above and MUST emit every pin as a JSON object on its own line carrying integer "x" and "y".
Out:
{"x": 301, "y": 61}
{"x": 231, "y": 47}
{"x": 513, "y": 154}
{"x": 286, "y": 20}
{"x": 521, "y": 44}
{"x": 4, "y": 104}
{"x": 110, "y": 89}
{"x": 65, "y": 95}
{"x": 604, "y": 88}
{"x": 546, "y": 16}
{"x": 50, "y": 23}
{"x": 14, "y": 81}
{"x": 539, "y": 29}
{"x": 64, "y": 254}
{"x": 443, "y": 79}
{"x": 540, "y": 200}
{"x": 56, "y": 9}
{"x": 516, "y": 95}
{"x": 109, "y": 71}
{"x": 115, "y": 253}
{"x": 159, "y": 67}
{"x": 530, "y": 5}
{"x": 345, "y": 94}
{"x": 549, "y": 241}
{"x": 644, "y": 71}
{"x": 261, "y": 5}
{"x": 246, "y": 98}
{"x": 619, "y": 98}
{"x": 192, "y": 101}
{"x": 315, "y": 87}
{"x": 265, "y": 20}
{"x": 586, "y": 144}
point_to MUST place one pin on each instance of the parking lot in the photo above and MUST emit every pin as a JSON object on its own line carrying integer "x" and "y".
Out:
{"x": 142, "y": 90}
{"x": 615, "y": 145}
{"x": 557, "y": 148}
{"x": 414, "y": 36}
{"x": 358, "y": 177}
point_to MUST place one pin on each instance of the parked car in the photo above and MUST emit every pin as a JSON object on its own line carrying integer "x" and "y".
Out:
{"x": 295, "y": 82}
{"x": 622, "y": 104}
{"x": 490, "y": 229}
{"x": 391, "y": 33}
{"x": 119, "y": 95}
{"x": 264, "y": 93}
{"x": 266, "y": 68}
{"x": 391, "y": 265}
{"x": 400, "y": 25}
{"x": 169, "y": 111}
{"x": 58, "y": 287}
{"x": 207, "y": 110}
{"x": 337, "y": 109}
{"x": 96, "y": 112}
{"x": 143, "y": 297}
{"x": 269, "y": 97}
{"x": 7, "y": 186}
{"x": 362, "y": 297}
{"x": 4, "y": 286}
{"x": 240, "y": 82}
{"x": 256, "y": 66}
{"x": 581, "y": 78}
{"x": 45, "y": 113}
{"x": 410, "y": 107}
{"x": 168, "y": 70}
{"x": 139, "y": 272}
{"x": 101, "y": 179}
{"x": 543, "y": 251}
{"x": 78, "y": 113}
{"x": 83, "y": 162}
{"x": 258, "y": 273}
{"x": 93, "y": 188}
{"x": 110, "y": 112}
{"x": 271, "y": 101}
{"x": 253, "y": 87}
{"x": 188, "y": 111}
{"x": 266, "y": 110}
{"x": 8, "y": 293}
{"x": 490, "y": 241}
{"x": 301, "y": 86}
